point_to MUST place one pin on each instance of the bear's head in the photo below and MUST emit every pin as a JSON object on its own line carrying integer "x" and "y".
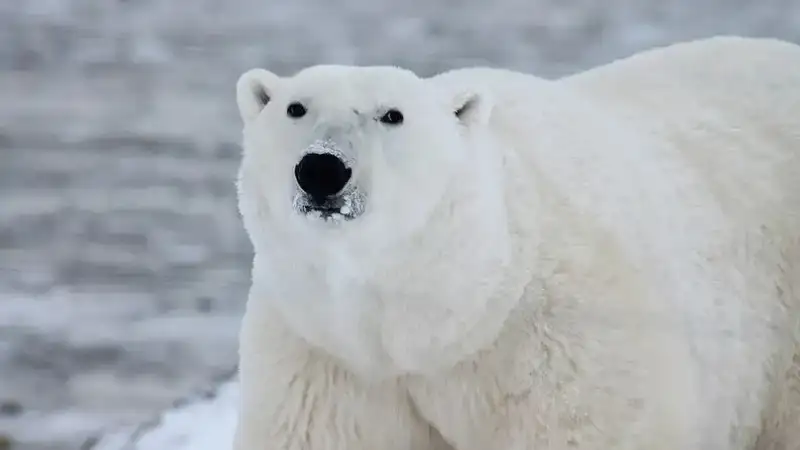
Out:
{"x": 334, "y": 146}
{"x": 367, "y": 190}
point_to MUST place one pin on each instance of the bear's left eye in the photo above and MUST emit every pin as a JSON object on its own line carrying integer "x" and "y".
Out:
{"x": 296, "y": 110}
{"x": 392, "y": 117}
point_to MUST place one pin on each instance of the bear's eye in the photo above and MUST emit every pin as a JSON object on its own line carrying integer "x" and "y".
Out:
{"x": 392, "y": 117}
{"x": 296, "y": 110}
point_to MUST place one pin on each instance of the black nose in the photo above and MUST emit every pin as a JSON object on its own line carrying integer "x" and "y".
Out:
{"x": 321, "y": 175}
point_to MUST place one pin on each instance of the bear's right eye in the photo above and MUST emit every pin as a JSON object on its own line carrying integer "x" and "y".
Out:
{"x": 296, "y": 110}
{"x": 392, "y": 117}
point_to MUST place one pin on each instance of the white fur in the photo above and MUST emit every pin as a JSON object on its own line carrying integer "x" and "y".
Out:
{"x": 606, "y": 261}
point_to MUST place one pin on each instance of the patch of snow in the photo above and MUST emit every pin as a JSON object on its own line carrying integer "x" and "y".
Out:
{"x": 204, "y": 424}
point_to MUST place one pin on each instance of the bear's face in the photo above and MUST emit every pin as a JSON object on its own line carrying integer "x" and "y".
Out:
{"x": 351, "y": 148}
{"x": 375, "y": 201}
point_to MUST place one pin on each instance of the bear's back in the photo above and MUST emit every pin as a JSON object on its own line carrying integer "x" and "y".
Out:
{"x": 729, "y": 105}
{"x": 731, "y": 108}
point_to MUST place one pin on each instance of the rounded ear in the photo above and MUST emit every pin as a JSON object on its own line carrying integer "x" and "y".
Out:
{"x": 472, "y": 107}
{"x": 253, "y": 91}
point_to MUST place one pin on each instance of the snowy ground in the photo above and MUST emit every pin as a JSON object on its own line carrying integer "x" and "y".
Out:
{"x": 123, "y": 265}
{"x": 206, "y": 422}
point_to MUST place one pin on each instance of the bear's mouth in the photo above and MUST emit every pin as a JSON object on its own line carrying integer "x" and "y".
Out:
{"x": 325, "y": 187}
{"x": 345, "y": 206}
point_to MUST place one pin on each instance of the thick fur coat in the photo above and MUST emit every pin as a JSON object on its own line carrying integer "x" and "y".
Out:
{"x": 606, "y": 261}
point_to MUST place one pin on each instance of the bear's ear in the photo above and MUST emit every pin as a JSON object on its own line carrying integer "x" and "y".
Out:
{"x": 472, "y": 107}
{"x": 253, "y": 91}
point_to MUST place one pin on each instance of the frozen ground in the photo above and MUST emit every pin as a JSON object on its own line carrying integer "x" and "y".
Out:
{"x": 205, "y": 423}
{"x": 123, "y": 266}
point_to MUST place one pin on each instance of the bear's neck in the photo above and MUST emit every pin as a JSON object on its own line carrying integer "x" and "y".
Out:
{"x": 456, "y": 284}
{"x": 416, "y": 306}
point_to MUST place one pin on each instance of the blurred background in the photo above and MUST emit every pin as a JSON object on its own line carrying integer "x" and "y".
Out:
{"x": 123, "y": 264}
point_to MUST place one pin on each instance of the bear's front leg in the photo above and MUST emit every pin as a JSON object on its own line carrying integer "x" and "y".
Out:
{"x": 597, "y": 374}
{"x": 296, "y": 398}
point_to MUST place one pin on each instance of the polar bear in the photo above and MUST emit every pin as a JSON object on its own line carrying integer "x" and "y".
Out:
{"x": 487, "y": 260}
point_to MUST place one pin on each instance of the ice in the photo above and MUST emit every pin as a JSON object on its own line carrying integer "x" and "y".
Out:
{"x": 123, "y": 262}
